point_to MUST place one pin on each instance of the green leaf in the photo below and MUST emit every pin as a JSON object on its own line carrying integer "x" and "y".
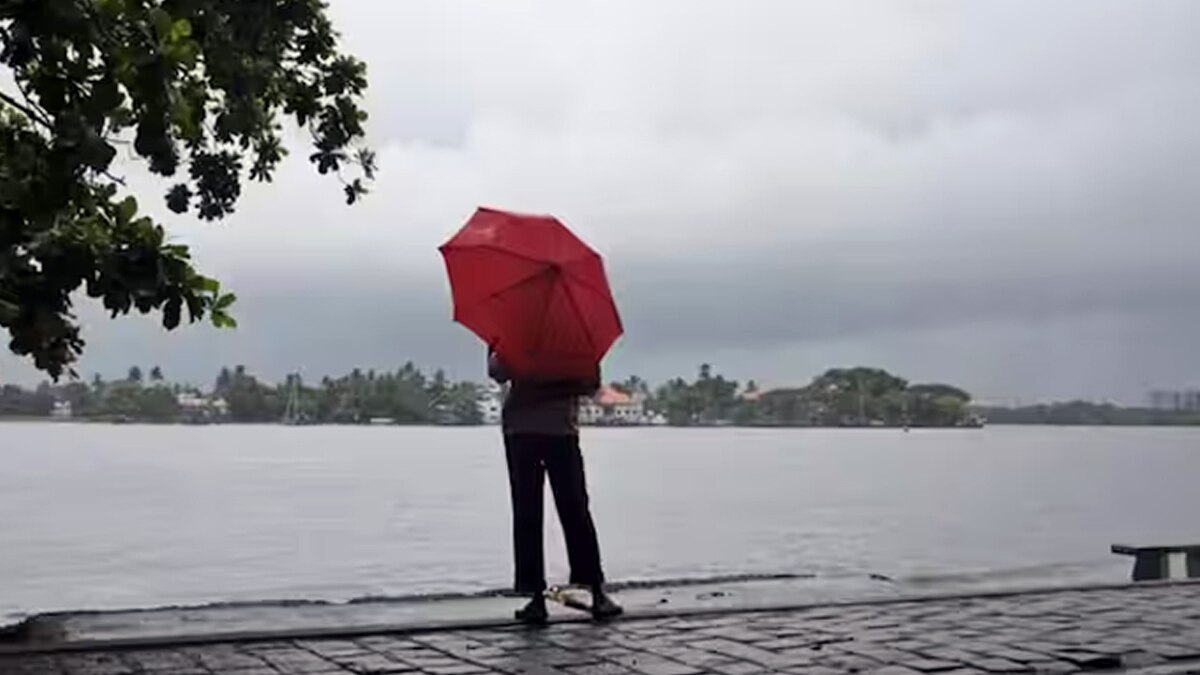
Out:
{"x": 183, "y": 117}
{"x": 161, "y": 22}
{"x": 208, "y": 285}
{"x": 171, "y": 313}
{"x": 179, "y": 198}
{"x": 222, "y": 320}
{"x": 127, "y": 210}
{"x": 225, "y": 302}
{"x": 182, "y": 28}
{"x": 8, "y": 311}
{"x": 112, "y": 7}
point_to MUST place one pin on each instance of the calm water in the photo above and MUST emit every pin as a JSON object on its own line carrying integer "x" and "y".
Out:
{"x": 113, "y": 516}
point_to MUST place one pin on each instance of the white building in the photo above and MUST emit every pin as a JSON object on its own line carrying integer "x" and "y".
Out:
{"x": 61, "y": 410}
{"x": 613, "y": 407}
{"x": 197, "y": 407}
{"x": 609, "y": 407}
{"x": 490, "y": 403}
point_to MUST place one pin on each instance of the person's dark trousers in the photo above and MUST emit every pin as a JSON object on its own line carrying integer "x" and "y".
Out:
{"x": 531, "y": 458}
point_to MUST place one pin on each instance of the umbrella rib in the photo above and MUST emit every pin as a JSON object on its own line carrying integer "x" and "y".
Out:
{"x": 496, "y": 249}
{"x": 500, "y": 249}
{"x": 539, "y": 275}
{"x": 581, "y": 279}
{"x": 579, "y": 316}
{"x": 541, "y": 339}
{"x": 501, "y": 291}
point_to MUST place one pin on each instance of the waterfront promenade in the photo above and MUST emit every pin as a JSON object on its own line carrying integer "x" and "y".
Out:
{"x": 1145, "y": 628}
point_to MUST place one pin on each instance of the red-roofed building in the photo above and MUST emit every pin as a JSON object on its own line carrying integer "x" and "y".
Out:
{"x": 611, "y": 406}
{"x": 612, "y": 397}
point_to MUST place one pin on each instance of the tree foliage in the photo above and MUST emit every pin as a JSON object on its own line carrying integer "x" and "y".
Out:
{"x": 197, "y": 89}
{"x": 837, "y": 397}
{"x": 1087, "y": 413}
{"x": 405, "y": 396}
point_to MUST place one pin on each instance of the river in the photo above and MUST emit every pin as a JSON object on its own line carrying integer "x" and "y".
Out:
{"x": 99, "y": 517}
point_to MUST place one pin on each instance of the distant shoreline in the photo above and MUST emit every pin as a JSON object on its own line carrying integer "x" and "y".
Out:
{"x": 150, "y": 423}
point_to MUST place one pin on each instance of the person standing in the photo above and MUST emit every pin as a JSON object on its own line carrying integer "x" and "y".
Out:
{"x": 540, "y": 420}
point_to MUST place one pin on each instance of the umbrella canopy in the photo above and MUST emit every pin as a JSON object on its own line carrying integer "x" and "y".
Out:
{"x": 533, "y": 291}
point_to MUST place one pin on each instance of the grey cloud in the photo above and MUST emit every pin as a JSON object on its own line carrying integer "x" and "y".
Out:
{"x": 774, "y": 320}
{"x": 772, "y": 305}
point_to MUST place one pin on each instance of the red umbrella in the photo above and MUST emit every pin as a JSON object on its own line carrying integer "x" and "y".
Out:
{"x": 533, "y": 291}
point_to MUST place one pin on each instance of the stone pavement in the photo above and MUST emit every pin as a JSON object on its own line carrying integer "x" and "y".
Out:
{"x": 1151, "y": 629}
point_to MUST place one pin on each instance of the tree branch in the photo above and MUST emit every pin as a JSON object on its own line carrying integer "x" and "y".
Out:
{"x": 31, "y": 104}
{"x": 29, "y": 112}
{"x": 113, "y": 177}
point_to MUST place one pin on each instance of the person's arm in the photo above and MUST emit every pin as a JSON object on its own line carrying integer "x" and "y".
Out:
{"x": 591, "y": 385}
{"x": 497, "y": 370}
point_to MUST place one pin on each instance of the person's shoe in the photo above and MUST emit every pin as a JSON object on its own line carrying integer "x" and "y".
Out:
{"x": 534, "y": 613}
{"x": 604, "y": 608}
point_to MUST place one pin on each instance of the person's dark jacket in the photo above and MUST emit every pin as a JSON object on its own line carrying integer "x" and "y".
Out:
{"x": 541, "y": 406}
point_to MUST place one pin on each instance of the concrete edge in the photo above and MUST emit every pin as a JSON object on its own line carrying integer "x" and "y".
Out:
{"x": 351, "y": 632}
{"x": 284, "y": 603}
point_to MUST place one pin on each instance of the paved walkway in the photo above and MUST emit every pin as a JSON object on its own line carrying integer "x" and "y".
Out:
{"x": 1153, "y": 629}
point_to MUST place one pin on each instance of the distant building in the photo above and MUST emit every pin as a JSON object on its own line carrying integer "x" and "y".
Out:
{"x": 753, "y": 395}
{"x": 609, "y": 407}
{"x": 613, "y": 407}
{"x": 62, "y": 410}
{"x": 491, "y": 403}
{"x": 1181, "y": 400}
{"x": 590, "y": 412}
{"x": 194, "y": 407}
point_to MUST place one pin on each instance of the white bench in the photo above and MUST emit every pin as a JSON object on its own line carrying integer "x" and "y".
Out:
{"x": 1157, "y": 563}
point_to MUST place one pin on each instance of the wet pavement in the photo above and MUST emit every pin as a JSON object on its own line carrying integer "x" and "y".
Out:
{"x": 1153, "y": 629}
{"x": 372, "y": 615}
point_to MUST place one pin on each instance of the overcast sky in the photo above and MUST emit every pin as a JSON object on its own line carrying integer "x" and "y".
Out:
{"x": 998, "y": 194}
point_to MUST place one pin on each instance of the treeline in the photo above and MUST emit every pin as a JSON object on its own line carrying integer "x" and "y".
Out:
{"x": 148, "y": 398}
{"x": 838, "y": 397}
{"x": 405, "y": 396}
{"x": 409, "y": 395}
{"x": 1084, "y": 413}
